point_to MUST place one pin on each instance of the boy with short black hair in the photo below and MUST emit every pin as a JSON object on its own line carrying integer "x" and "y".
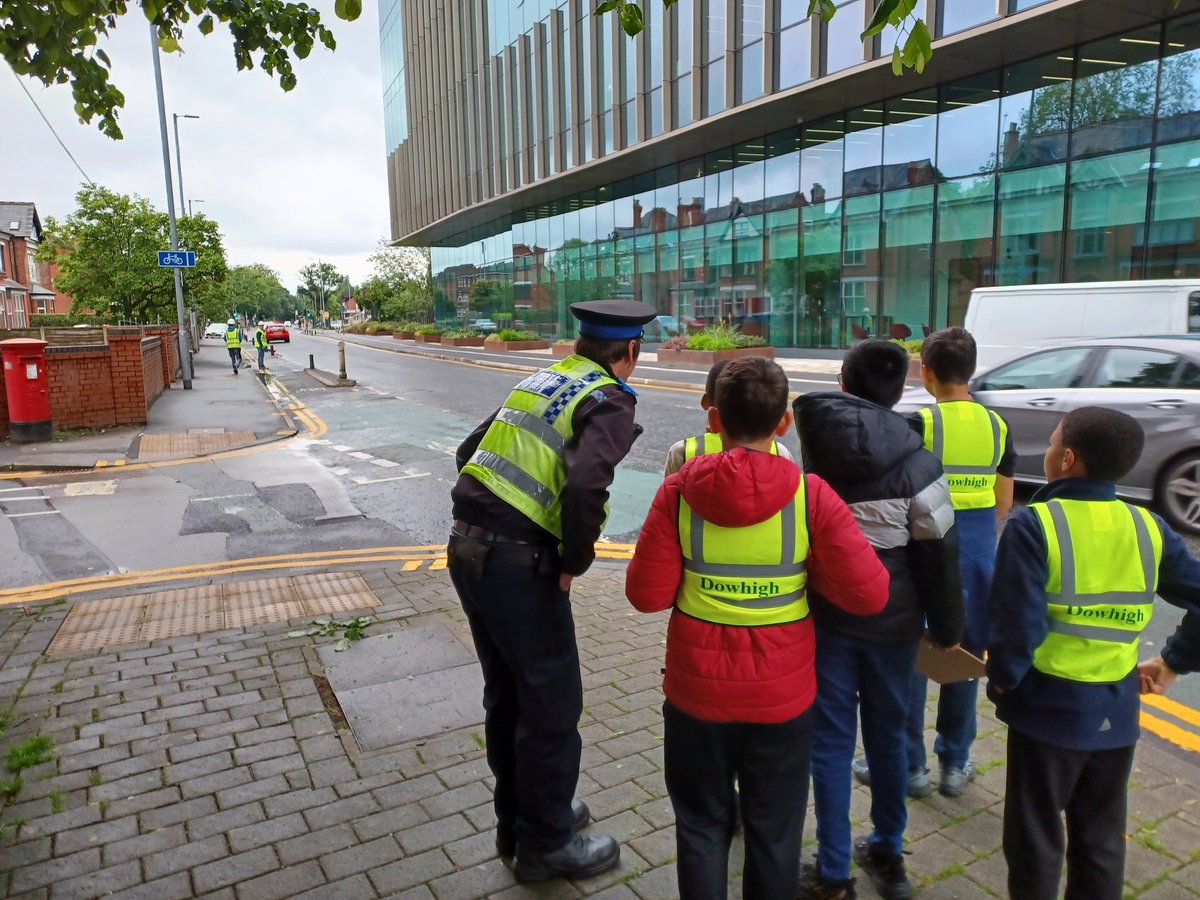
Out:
{"x": 976, "y": 452}
{"x": 1076, "y": 576}
{"x": 897, "y": 493}
{"x": 731, "y": 545}
{"x": 708, "y": 442}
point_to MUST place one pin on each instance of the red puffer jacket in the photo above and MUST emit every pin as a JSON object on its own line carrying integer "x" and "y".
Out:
{"x": 724, "y": 673}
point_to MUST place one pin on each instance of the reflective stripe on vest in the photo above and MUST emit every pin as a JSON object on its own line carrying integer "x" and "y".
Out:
{"x": 754, "y": 575}
{"x": 1103, "y": 558}
{"x": 709, "y": 442}
{"x": 520, "y": 458}
{"x": 969, "y": 440}
{"x": 233, "y": 338}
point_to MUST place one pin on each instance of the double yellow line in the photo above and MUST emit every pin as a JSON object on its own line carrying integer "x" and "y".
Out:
{"x": 314, "y": 425}
{"x": 1181, "y": 736}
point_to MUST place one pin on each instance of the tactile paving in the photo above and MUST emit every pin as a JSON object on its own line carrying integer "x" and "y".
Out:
{"x": 96, "y": 624}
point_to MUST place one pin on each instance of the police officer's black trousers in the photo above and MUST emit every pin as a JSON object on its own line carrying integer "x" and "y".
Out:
{"x": 771, "y": 764}
{"x": 1091, "y": 787}
{"x": 533, "y": 693}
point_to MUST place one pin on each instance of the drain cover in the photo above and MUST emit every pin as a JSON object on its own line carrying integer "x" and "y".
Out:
{"x": 405, "y": 686}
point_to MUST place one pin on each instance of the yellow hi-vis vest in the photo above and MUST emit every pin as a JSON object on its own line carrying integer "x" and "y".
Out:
{"x": 754, "y": 575}
{"x": 709, "y": 442}
{"x": 1103, "y": 558}
{"x": 520, "y": 458}
{"x": 233, "y": 337}
{"x": 969, "y": 439}
{"x": 260, "y": 339}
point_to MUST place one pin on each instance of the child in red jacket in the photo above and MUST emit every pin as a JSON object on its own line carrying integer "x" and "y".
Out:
{"x": 730, "y": 545}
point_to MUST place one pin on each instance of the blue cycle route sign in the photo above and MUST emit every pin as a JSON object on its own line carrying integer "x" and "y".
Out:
{"x": 181, "y": 259}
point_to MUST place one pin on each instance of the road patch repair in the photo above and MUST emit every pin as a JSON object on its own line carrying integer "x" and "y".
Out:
{"x": 97, "y": 624}
{"x": 405, "y": 686}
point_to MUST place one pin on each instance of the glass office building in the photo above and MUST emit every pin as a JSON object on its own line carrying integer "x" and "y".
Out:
{"x": 740, "y": 161}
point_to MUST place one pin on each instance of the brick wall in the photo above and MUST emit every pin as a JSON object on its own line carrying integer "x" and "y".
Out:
{"x": 154, "y": 366}
{"x": 170, "y": 359}
{"x": 81, "y": 387}
{"x": 3, "y": 407}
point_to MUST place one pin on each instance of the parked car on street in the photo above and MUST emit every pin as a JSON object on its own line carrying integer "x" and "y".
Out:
{"x": 487, "y": 326}
{"x": 277, "y": 332}
{"x": 215, "y": 330}
{"x": 1155, "y": 380}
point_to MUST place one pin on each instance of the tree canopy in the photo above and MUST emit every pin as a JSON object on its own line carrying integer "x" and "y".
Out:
{"x": 57, "y": 41}
{"x": 321, "y": 281}
{"x": 255, "y": 291}
{"x": 399, "y": 288}
{"x": 107, "y": 253}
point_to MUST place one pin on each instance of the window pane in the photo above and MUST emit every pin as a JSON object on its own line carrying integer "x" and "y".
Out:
{"x": 821, "y": 160}
{"x": 681, "y": 22}
{"x": 749, "y": 73}
{"x": 795, "y": 56}
{"x": 1035, "y": 112}
{"x": 791, "y": 11}
{"x": 714, "y": 30}
{"x": 864, "y": 151}
{"x": 714, "y": 88}
{"x": 1044, "y": 371}
{"x": 967, "y": 123}
{"x": 1108, "y": 214}
{"x": 654, "y": 112}
{"x": 910, "y": 140}
{"x": 1179, "y": 92}
{"x": 1171, "y": 250}
{"x": 683, "y": 101}
{"x": 1031, "y": 225}
{"x": 1113, "y": 106}
{"x": 965, "y": 245}
{"x": 1135, "y": 368}
{"x": 749, "y": 22}
{"x": 843, "y": 44}
{"x": 907, "y": 258}
{"x": 961, "y": 14}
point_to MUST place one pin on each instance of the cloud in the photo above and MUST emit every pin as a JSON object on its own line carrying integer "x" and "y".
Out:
{"x": 289, "y": 177}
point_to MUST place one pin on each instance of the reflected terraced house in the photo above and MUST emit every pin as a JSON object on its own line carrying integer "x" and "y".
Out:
{"x": 739, "y": 160}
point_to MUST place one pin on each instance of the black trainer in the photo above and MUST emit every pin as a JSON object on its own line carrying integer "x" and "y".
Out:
{"x": 582, "y": 857}
{"x": 886, "y": 872}
{"x": 815, "y": 887}
{"x": 506, "y": 841}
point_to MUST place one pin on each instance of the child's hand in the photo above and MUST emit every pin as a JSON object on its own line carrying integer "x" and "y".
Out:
{"x": 1155, "y": 676}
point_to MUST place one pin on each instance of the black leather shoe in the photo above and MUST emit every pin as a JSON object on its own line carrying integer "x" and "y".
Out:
{"x": 583, "y": 856}
{"x": 506, "y": 841}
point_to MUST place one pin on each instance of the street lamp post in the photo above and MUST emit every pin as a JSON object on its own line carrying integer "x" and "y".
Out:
{"x": 191, "y": 201}
{"x": 185, "y": 353}
{"x": 175, "y": 117}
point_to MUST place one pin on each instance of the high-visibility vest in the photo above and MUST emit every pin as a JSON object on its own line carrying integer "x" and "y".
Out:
{"x": 710, "y": 442}
{"x": 1103, "y": 558}
{"x": 969, "y": 439}
{"x": 260, "y": 339}
{"x": 520, "y": 458}
{"x": 233, "y": 337}
{"x": 753, "y": 575}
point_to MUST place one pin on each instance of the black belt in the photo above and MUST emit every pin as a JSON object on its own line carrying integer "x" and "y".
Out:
{"x": 479, "y": 533}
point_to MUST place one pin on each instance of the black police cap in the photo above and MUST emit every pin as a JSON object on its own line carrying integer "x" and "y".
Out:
{"x": 612, "y": 320}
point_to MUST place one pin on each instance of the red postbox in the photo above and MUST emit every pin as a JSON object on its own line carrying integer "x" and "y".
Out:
{"x": 28, "y": 389}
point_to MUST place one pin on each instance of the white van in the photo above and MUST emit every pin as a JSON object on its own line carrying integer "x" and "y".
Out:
{"x": 1008, "y": 321}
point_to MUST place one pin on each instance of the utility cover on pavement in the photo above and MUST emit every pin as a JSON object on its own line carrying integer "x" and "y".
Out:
{"x": 405, "y": 686}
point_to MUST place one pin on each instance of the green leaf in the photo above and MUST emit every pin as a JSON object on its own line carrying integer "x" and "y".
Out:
{"x": 73, "y": 7}
{"x": 922, "y": 41}
{"x": 897, "y": 64}
{"x": 343, "y": 644}
{"x": 150, "y": 8}
{"x": 206, "y": 25}
{"x": 631, "y": 19}
{"x": 607, "y": 6}
{"x": 348, "y": 10}
{"x": 882, "y": 17}
{"x": 168, "y": 44}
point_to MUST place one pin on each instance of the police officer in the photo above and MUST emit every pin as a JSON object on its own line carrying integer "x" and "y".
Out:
{"x": 260, "y": 343}
{"x": 233, "y": 343}
{"x": 529, "y": 505}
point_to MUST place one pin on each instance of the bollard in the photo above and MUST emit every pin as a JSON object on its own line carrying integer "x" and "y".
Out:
{"x": 342, "y": 360}
{"x": 311, "y": 364}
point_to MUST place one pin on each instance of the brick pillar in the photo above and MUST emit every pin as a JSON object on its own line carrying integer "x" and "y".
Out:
{"x": 128, "y": 376}
{"x": 170, "y": 351}
{"x": 3, "y": 408}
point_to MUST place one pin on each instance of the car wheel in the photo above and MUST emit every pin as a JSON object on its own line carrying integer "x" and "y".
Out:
{"x": 287, "y": 340}
{"x": 1178, "y": 493}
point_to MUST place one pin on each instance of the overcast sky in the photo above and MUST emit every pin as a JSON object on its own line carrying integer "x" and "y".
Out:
{"x": 290, "y": 178}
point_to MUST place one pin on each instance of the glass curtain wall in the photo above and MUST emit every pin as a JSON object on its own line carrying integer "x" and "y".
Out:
{"x": 1081, "y": 165}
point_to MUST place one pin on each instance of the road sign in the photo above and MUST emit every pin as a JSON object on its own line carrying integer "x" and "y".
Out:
{"x": 172, "y": 259}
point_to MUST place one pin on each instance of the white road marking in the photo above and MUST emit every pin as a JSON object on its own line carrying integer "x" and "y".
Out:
{"x": 222, "y": 497}
{"x": 340, "y": 470}
{"x": 360, "y": 480}
{"x": 47, "y": 512}
{"x": 23, "y": 499}
{"x": 384, "y": 463}
{"x": 90, "y": 489}
{"x": 358, "y": 454}
{"x": 13, "y": 490}
{"x": 342, "y": 448}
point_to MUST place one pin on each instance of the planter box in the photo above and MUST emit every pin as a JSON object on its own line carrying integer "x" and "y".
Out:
{"x": 505, "y": 346}
{"x": 562, "y": 351}
{"x": 462, "y": 341}
{"x": 403, "y": 335}
{"x": 708, "y": 357}
{"x": 427, "y": 338}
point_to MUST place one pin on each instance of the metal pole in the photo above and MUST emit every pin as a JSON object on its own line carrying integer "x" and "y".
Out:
{"x": 185, "y": 353}
{"x": 342, "y": 360}
{"x": 178, "y": 160}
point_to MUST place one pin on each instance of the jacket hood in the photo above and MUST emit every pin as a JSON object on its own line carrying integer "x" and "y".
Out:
{"x": 738, "y": 487}
{"x": 843, "y": 436}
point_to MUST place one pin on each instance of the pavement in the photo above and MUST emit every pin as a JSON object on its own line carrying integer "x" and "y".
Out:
{"x": 233, "y": 762}
{"x": 222, "y": 411}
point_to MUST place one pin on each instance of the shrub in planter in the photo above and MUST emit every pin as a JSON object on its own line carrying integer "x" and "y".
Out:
{"x": 511, "y": 339}
{"x": 462, "y": 337}
{"x": 911, "y": 346}
{"x": 429, "y": 334}
{"x": 678, "y": 342}
{"x": 379, "y": 328}
{"x": 511, "y": 334}
{"x": 722, "y": 336}
{"x": 715, "y": 342}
